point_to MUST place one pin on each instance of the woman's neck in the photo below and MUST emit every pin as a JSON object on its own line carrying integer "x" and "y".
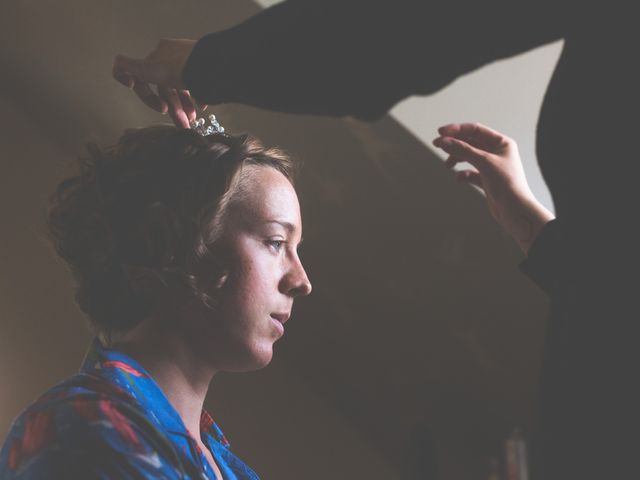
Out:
{"x": 174, "y": 366}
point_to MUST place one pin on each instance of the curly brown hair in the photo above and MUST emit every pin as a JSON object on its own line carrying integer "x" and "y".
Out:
{"x": 154, "y": 201}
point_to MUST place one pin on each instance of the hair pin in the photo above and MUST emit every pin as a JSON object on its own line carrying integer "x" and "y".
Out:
{"x": 200, "y": 126}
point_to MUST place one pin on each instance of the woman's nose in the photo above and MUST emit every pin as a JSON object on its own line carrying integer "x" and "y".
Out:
{"x": 296, "y": 282}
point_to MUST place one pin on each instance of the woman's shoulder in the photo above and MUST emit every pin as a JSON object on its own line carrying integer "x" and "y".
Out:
{"x": 80, "y": 397}
{"x": 85, "y": 420}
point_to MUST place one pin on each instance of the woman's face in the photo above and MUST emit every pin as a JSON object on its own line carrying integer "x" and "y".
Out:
{"x": 261, "y": 234}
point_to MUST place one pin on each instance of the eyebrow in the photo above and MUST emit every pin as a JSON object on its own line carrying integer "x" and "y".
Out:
{"x": 286, "y": 225}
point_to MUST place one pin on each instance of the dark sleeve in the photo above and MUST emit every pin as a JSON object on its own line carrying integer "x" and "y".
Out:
{"x": 548, "y": 262}
{"x": 356, "y": 57}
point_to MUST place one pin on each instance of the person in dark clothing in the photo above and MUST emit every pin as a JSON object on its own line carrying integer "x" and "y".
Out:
{"x": 358, "y": 58}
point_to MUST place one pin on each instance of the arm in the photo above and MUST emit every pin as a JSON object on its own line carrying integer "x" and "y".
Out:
{"x": 497, "y": 171}
{"x": 347, "y": 57}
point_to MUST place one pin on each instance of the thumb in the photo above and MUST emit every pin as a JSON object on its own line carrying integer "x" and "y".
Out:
{"x": 125, "y": 69}
{"x": 470, "y": 176}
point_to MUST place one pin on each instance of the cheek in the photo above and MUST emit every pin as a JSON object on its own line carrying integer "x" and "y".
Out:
{"x": 256, "y": 282}
{"x": 254, "y": 278}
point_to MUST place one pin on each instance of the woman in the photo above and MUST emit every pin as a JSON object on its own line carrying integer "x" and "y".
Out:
{"x": 184, "y": 252}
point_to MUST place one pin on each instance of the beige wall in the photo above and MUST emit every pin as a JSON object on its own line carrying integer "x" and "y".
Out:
{"x": 419, "y": 317}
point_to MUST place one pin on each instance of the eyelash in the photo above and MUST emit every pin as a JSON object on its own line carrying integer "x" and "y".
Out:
{"x": 275, "y": 244}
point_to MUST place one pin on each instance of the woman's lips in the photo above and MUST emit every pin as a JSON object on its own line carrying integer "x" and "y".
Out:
{"x": 278, "y": 320}
{"x": 281, "y": 317}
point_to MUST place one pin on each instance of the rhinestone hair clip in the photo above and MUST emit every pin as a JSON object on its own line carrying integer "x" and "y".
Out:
{"x": 200, "y": 126}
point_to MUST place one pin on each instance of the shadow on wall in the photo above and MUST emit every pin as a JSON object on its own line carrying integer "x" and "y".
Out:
{"x": 420, "y": 334}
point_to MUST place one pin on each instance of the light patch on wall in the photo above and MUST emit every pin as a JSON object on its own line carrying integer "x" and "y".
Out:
{"x": 267, "y": 3}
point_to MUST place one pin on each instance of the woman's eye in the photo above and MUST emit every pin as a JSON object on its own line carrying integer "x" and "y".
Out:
{"x": 275, "y": 244}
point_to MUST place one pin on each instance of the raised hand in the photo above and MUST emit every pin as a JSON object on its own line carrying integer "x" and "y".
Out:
{"x": 160, "y": 70}
{"x": 497, "y": 171}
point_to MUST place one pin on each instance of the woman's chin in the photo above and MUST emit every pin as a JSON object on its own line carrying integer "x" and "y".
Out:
{"x": 255, "y": 360}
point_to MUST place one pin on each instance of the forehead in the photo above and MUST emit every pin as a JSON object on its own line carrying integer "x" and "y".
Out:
{"x": 264, "y": 194}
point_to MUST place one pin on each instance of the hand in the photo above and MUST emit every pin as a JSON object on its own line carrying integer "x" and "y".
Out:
{"x": 497, "y": 171}
{"x": 161, "y": 69}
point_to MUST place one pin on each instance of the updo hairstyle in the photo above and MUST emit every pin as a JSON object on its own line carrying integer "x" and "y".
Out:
{"x": 155, "y": 204}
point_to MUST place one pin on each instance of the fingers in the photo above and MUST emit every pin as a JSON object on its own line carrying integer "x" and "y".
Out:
{"x": 149, "y": 97}
{"x": 127, "y": 67}
{"x": 462, "y": 151}
{"x": 176, "y": 109}
{"x": 144, "y": 76}
{"x": 470, "y": 176}
{"x": 452, "y": 161}
{"x": 476, "y": 134}
{"x": 188, "y": 104}
{"x": 124, "y": 78}
{"x": 135, "y": 74}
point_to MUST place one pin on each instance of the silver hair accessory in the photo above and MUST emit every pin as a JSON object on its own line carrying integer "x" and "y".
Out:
{"x": 199, "y": 125}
